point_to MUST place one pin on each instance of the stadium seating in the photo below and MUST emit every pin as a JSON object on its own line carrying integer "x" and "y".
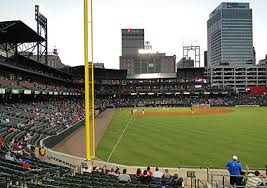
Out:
{"x": 95, "y": 180}
{"x": 24, "y": 123}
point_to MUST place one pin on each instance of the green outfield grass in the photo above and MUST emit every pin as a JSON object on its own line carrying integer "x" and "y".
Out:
{"x": 171, "y": 141}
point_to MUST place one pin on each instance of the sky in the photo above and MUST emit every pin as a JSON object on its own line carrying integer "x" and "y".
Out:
{"x": 168, "y": 24}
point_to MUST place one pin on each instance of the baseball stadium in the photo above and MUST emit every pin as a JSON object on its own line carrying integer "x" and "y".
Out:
{"x": 90, "y": 127}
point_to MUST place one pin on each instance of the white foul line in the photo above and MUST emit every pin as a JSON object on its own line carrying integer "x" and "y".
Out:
{"x": 126, "y": 126}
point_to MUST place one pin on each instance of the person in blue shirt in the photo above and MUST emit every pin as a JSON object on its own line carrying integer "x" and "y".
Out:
{"x": 163, "y": 184}
{"x": 235, "y": 168}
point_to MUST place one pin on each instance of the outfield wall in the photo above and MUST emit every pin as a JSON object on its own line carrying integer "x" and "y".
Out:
{"x": 61, "y": 158}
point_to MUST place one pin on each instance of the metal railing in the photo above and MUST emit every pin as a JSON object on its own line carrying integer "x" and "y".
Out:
{"x": 200, "y": 183}
{"x": 223, "y": 181}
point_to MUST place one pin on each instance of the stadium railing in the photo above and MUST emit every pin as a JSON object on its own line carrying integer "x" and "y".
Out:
{"x": 222, "y": 180}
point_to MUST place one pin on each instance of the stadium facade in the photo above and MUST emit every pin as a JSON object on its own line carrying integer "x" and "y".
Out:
{"x": 230, "y": 35}
{"x": 148, "y": 63}
{"x": 186, "y": 63}
{"x": 238, "y": 77}
{"x": 136, "y": 58}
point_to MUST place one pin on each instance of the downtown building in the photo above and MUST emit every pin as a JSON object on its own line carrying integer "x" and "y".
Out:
{"x": 231, "y": 56}
{"x": 230, "y": 35}
{"x": 138, "y": 60}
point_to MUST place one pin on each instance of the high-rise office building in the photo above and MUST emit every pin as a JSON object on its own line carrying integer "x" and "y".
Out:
{"x": 230, "y": 36}
{"x": 132, "y": 41}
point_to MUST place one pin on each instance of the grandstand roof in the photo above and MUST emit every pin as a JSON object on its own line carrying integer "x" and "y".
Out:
{"x": 104, "y": 74}
{"x": 18, "y": 32}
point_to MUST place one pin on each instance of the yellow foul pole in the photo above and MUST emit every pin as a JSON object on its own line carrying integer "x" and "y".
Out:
{"x": 93, "y": 84}
{"x": 86, "y": 81}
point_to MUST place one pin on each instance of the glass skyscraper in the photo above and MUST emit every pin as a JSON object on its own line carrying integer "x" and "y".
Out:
{"x": 230, "y": 35}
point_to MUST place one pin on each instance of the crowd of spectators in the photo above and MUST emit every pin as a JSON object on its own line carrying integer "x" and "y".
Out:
{"x": 165, "y": 100}
{"x": 145, "y": 177}
{"x": 20, "y": 83}
{"x": 178, "y": 87}
{"x": 24, "y": 125}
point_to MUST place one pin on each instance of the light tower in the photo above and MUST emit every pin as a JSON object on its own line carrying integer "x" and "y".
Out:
{"x": 42, "y": 47}
{"x": 196, "y": 50}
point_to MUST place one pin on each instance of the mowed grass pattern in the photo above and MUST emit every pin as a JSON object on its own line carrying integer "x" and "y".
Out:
{"x": 172, "y": 141}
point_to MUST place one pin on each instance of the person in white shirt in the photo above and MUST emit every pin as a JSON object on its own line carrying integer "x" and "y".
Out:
{"x": 86, "y": 170}
{"x": 157, "y": 173}
{"x": 124, "y": 177}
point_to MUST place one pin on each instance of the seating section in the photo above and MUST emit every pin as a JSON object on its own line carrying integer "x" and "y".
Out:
{"x": 22, "y": 126}
{"x": 95, "y": 180}
{"x": 38, "y": 120}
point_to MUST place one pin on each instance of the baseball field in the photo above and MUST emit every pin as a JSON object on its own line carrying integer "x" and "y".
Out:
{"x": 173, "y": 137}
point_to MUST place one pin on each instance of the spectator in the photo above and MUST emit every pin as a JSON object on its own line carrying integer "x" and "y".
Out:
{"x": 24, "y": 145}
{"x": 234, "y": 167}
{"x": 163, "y": 184}
{"x": 166, "y": 175}
{"x": 86, "y": 170}
{"x": 124, "y": 177}
{"x": 26, "y": 165}
{"x": 253, "y": 179}
{"x": 149, "y": 172}
{"x": 117, "y": 171}
{"x": 8, "y": 156}
{"x": 103, "y": 170}
{"x": 27, "y": 137}
{"x": 7, "y": 121}
{"x": 145, "y": 179}
{"x": 42, "y": 151}
{"x": 11, "y": 129}
{"x": 12, "y": 157}
{"x": 112, "y": 172}
{"x": 16, "y": 144}
{"x": 94, "y": 171}
{"x": 243, "y": 178}
{"x": 1, "y": 142}
{"x": 138, "y": 172}
{"x": 176, "y": 181}
{"x": 157, "y": 173}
